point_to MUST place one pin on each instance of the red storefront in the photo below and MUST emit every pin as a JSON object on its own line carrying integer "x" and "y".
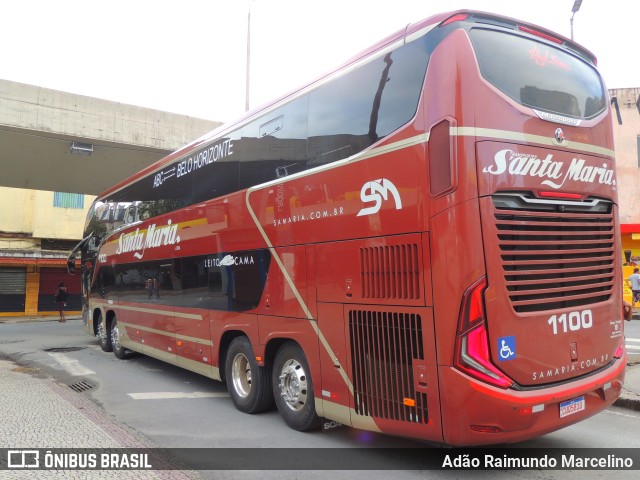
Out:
{"x": 28, "y": 284}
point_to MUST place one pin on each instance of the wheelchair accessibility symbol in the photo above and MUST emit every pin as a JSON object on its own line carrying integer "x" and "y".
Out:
{"x": 506, "y": 348}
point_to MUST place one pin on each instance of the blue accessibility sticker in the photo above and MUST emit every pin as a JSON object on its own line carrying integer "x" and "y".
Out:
{"x": 506, "y": 348}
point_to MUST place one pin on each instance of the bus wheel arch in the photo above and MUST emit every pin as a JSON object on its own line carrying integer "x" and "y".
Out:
{"x": 248, "y": 383}
{"x": 293, "y": 388}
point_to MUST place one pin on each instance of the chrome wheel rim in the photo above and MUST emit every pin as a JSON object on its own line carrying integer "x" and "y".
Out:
{"x": 293, "y": 385}
{"x": 241, "y": 375}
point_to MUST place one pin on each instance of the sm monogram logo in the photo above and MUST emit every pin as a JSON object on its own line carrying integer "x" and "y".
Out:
{"x": 377, "y": 191}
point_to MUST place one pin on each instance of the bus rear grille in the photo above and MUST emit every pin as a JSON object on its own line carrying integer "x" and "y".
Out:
{"x": 383, "y": 347}
{"x": 390, "y": 272}
{"x": 555, "y": 254}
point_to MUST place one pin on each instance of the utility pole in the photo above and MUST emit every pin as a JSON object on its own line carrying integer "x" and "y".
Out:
{"x": 246, "y": 104}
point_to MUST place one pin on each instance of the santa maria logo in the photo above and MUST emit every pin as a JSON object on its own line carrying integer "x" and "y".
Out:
{"x": 554, "y": 173}
{"x": 153, "y": 237}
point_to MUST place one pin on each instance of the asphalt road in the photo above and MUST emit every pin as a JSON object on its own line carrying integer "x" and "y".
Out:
{"x": 174, "y": 408}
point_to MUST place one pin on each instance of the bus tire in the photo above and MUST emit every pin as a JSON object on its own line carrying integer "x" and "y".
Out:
{"x": 293, "y": 389}
{"x": 118, "y": 350}
{"x": 247, "y": 382}
{"x": 103, "y": 334}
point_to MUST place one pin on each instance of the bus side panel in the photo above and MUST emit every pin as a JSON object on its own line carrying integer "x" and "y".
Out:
{"x": 285, "y": 291}
{"x": 457, "y": 258}
{"x": 193, "y": 341}
{"x": 333, "y": 392}
{"x": 379, "y": 270}
{"x": 157, "y": 331}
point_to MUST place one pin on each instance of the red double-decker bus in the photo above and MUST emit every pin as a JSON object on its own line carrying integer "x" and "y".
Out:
{"x": 422, "y": 243}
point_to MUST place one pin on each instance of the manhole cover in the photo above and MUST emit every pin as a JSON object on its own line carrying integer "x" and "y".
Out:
{"x": 81, "y": 387}
{"x": 63, "y": 349}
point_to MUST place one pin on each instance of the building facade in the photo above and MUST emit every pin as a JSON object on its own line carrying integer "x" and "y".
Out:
{"x": 57, "y": 142}
{"x": 37, "y": 231}
{"x": 625, "y": 103}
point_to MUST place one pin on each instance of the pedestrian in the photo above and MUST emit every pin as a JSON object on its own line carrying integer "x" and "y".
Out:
{"x": 634, "y": 283}
{"x": 61, "y": 300}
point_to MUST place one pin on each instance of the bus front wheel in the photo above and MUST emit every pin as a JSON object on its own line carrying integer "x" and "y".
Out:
{"x": 293, "y": 389}
{"x": 247, "y": 382}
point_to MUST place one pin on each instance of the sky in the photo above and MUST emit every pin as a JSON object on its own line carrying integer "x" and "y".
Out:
{"x": 190, "y": 56}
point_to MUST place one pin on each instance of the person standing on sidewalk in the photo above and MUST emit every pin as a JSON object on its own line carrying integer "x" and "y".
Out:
{"x": 61, "y": 300}
{"x": 634, "y": 283}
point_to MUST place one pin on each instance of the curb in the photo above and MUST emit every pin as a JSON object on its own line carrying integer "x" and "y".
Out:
{"x": 628, "y": 403}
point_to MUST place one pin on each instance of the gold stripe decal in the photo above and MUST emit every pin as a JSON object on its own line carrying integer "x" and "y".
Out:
{"x": 528, "y": 138}
{"x": 155, "y": 311}
{"x": 164, "y": 333}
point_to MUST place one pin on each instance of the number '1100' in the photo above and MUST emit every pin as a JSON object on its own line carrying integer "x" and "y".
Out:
{"x": 570, "y": 322}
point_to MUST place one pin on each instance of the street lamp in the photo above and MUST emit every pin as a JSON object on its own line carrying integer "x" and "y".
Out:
{"x": 576, "y": 7}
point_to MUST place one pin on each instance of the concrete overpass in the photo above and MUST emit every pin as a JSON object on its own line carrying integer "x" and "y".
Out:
{"x": 57, "y": 141}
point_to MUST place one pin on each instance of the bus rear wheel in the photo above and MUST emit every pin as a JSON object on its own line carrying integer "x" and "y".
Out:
{"x": 118, "y": 350}
{"x": 247, "y": 382}
{"x": 104, "y": 336}
{"x": 293, "y": 389}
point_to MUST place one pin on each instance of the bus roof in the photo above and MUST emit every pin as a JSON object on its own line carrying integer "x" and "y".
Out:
{"x": 410, "y": 31}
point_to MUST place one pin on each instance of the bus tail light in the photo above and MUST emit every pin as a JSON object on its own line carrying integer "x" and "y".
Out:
{"x": 472, "y": 345}
{"x": 538, "y": 33}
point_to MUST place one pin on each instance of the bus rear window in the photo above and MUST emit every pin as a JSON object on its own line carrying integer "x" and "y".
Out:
{"x": 539, "y": 75}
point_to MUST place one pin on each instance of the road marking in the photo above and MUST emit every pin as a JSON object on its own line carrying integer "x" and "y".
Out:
{"x": 621, "y": 414}
{"x": 632, "y": 347}
{"x": 171, "y": 395}
{"x": 71, "y": 365}
{"x": 634, "y": 340}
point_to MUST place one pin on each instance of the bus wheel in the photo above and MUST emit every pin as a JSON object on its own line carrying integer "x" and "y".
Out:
{"x": 293, "y": 389}
{"x": 118, "y": 350}
{"x": 248, "y": 383}
{"x": 104, "y": 337}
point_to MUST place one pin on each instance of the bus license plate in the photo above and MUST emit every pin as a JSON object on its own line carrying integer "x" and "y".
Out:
{"x": 572, "y": 406}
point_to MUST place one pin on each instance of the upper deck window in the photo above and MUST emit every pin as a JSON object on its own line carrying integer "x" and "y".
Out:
{"x": 539, "y": 75}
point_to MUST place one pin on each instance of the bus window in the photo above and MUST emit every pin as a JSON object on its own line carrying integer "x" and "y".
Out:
{"x": 539, "y": 75}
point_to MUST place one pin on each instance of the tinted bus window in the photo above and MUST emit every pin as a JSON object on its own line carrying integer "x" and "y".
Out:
{"x": 274, "y": 145}
{"x": 353, "y": 111}
{"x": 539, "y": 75}
{"x": 104, "y": 281}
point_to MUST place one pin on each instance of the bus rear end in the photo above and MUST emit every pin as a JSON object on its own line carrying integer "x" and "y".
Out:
{"x": 524, "y": 232}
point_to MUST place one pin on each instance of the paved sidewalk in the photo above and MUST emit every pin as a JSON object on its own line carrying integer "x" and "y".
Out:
{"x": 630, "y": 396}
{"x": 40, "y": 413}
